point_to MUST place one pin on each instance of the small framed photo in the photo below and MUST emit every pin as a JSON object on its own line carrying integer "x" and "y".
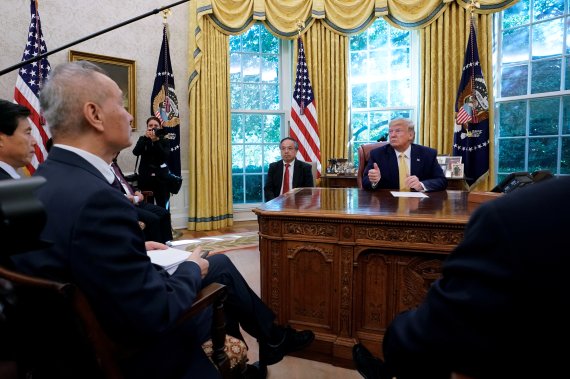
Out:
{"x": 451, "y": 160}
{"x": 441, "y": 159}
{"x": 457, "y": 170}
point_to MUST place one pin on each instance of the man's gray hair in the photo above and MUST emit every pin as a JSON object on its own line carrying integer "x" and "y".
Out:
{"x": 63, "y": 95}
{"x": 409, "y": 123}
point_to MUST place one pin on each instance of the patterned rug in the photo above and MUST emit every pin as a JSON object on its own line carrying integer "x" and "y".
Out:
{"x": 223, "y": 243}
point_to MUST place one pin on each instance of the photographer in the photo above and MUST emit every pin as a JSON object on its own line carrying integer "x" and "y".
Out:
{"x": 153, "y": 149}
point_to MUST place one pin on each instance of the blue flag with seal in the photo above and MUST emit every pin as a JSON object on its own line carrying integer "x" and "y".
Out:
{"x": 471, "y": 131}
{"x": 164, "y": 103}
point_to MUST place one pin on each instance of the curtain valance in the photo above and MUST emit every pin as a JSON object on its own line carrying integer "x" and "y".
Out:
{"x": 342, "y": 16}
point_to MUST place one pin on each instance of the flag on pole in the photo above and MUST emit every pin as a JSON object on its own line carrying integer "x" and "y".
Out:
{"x": 305, "y": 129}
{"x": 28, "y": 85}
{"x": 164, "y": 103}
{"x": 471, "y": 132}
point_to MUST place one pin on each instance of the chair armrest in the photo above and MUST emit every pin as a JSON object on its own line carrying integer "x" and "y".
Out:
{"x": 209, "y": 295}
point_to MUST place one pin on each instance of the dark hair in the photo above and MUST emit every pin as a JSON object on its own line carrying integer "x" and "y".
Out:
{"x": 155, "y": 119}
{"x": 10, "y": 114}
{"x": 290, "y": 139}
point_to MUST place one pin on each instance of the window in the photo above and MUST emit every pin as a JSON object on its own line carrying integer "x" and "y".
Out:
{"x": 257, "y": 109}
{"x": 383, "y": 81}
{"x": 533, "y": 88}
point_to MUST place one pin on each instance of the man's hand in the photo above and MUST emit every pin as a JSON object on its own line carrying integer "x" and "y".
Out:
{"x": 203, "y": 263}
{"x": 152, "y": 245}
{"x": 413, "y": 182}
{"x": 374, "y": 174}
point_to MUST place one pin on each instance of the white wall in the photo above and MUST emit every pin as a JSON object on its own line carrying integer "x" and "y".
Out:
{"x": 65, "y": 21}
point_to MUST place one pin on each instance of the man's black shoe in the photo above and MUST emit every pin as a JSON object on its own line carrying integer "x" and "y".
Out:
{"x": 255, "y": 371}
{"x": 292, "y": 341}
{"x": 367, "y": 365}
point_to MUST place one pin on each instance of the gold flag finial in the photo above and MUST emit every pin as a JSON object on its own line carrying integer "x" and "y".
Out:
{"x": 474, "y": 4}
{"x": 300, "y": 26}
{"x": 165, "y": 13}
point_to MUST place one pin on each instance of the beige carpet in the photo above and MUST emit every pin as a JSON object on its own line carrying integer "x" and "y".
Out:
{"x": 243, "y": 250}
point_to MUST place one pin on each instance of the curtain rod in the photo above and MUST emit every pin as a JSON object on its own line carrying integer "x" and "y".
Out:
{"x": 41, "y": 56}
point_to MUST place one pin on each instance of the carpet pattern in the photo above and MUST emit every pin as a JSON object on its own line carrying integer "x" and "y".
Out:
{"x": 226, "y": 242}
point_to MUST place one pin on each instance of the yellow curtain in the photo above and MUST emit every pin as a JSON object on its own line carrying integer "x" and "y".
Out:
{"x": 327, "y": 60}
{"x": 442, "y": 50}
{"x": 210, "y": 185}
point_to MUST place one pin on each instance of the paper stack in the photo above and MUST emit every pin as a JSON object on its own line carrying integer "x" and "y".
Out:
{"x": 169, "y": 259}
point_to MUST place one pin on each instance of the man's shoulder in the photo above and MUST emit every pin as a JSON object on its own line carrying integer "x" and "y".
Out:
{"x": 424, "y": 149}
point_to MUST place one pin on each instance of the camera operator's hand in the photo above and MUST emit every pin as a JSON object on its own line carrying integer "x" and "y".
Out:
{"x": 151, "y": 133}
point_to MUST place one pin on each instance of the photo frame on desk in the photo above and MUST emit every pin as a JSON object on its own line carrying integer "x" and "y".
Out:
{"x": 121, "y": 70}
{"x": 457, "y": 170}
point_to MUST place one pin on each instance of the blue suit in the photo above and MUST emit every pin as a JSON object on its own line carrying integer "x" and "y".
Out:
{"x": 99, "y": 246}
{"x": 423, "y": 165}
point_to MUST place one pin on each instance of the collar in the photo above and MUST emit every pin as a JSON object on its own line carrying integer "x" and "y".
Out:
{"x": 103, "y": 167}
{"x": 10, "y": 170}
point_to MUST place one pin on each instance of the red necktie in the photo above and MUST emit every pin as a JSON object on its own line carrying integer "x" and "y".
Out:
{"x": 286, "y": 179}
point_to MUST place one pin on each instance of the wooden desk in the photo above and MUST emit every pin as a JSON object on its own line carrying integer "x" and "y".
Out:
{"x": 338, "y": 181}
{"x": 343, "y": 261}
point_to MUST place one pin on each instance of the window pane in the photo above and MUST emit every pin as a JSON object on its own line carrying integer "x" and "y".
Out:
{"x": 547, "y": 39}
{"x": 359, "y": 96}
{"x": 379, "y": 62}
{"x": 269, "y": 67}
{"x": 272, "y": 154}
{"x": 514, "y": 80}
{"x": 235, "y": 67}
{"x": 512, "y": 119}
{"x": 253, "y": 125}
{"x": 269, "y": 44}
{"x": 378, "y": 94}
{"x": 237, "y": 129}
{"x": 250, "y": 40}
{"x": 400, "y": 92}
{"x": 515, "y": 45}
{"x": 566, "y": 115}
{"x": 235, "y": 95}
{"x": 542, "y": 154}
{"x": 544, "y": 9}
{"x": 237, "y": 159}
{"x": 359, "y": 125}
{"x": 272, "y": 128}
{"x": 269, "y": 97}
{"x": 251, "y": 101}
{"x": 565, "y": 158}
{"x": 517, "y": 14}
{"x": 237, "y": 189}
{"x": 358, "y": 42}
{"x": 377, "y": 35}
{"x": 400, "y": 37}
{"x": 544, "y": 116}
{"x": 251, "y": 68}
{"x": 379, "y": 124}
{"x": 511, "y": 155}
{"x": 252, "y": 158}
{"x": 253, "y": 193}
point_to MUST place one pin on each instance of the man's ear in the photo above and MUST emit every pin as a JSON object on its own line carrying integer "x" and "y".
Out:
{"x": 93, "y": 116}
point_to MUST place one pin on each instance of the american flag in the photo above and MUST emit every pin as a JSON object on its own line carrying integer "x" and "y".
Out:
{"x": 471, "y": 133}
{"x": 164, "y": 103}
{"x": 29, "y": 82}
{"x": 305, "y": 129}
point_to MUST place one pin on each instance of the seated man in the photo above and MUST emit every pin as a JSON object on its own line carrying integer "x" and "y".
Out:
{"x": 98, "y": 244}
{"x": 402, "y": 164}
{"x": 287, "y": 173}
{"x": 156, "y": 219}
{"x": 16, "y": 141}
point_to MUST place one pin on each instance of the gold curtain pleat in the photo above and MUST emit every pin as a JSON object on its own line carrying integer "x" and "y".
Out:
{"x": 210, "y": 179}
{"x": 442, "y": 51}
{"x": 327, "y": 60}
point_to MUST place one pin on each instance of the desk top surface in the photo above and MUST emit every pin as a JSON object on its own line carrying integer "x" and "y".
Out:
{"x": 444, "y": 206}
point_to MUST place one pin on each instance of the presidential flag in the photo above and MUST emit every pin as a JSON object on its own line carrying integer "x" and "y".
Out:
{"x": 304, "y": 128}
{"x": 471, "y": 132}
{"x": 164, "y": 103}
{"x": 29, "y": 82}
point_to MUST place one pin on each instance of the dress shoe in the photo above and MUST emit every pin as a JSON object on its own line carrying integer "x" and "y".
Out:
{"x": 367, "y": 365}
{"x": 292, "y": 341}
{"x": 255, "y": 371}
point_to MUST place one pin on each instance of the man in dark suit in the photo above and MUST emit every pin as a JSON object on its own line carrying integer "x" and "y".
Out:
{"x": 16, "y": 141}
{"x": 98, "y": 244}
{"x": 499, "y": 309}
{"x": 156, "y": 219}
{"x": 402, "y": 164}
{"x": 298, "y": 173}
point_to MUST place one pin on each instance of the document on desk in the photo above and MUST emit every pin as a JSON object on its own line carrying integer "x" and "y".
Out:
{"x": 408, "y": 194}
{"x": 169, "y": 259}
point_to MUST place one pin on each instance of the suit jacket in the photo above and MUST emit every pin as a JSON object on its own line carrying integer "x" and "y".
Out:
{"x": 302, "y": 177}
{"x": 4, "y": 175}
{"x": 424, "y": 165}
{"x": 497, "y": 311}
{"x": 99, "y": 246}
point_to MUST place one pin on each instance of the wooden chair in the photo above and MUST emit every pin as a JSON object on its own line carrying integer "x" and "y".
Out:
{"x": 363, "y": 156}
{"x": 52, "y": 329}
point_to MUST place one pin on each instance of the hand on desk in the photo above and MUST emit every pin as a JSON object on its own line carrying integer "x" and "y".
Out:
{"x": 413, "y": 182}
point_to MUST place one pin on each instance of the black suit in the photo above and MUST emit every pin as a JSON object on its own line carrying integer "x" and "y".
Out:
{"x": 302, "y": 177}
{"x": 4, "y": 175}
{"x": 98, "y": 245}
{"x": 499, "y": 311}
